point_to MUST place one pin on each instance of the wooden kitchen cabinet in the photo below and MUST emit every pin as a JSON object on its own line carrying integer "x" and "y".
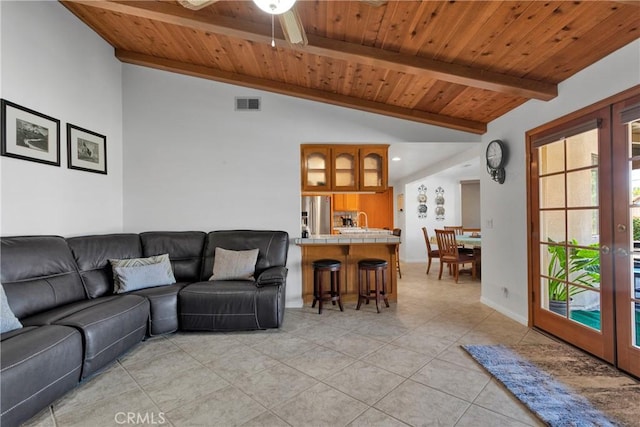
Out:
{"x": 346, "y": 202}
{"x": 345, "y": 164}
{"x": 344, "y": 168}
{"x": 373, "y": 168}
{"x": 316, "y": 168}
{"x": 379, "y": 208}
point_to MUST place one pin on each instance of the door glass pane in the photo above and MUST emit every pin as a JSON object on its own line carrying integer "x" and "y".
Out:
{"x": 552, "y": 226}
{"x": 554, "y": 265}
{"x": 582, "y": 188}
{"x": 636, "y": 325}
{"x": 583, "y": 266}
{"x": 584, "y": 307}
{"x": 583, "y": 226}
{"x": 552, "y": 191}
{"x": 582, "y": 150}
{"x": 551, "y": 158}
{"x": 634, "y": 229}
{"x": 550, "y": 291}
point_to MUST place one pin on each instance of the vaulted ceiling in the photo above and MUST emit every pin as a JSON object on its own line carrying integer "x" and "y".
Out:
{"x": 456, "y": 64}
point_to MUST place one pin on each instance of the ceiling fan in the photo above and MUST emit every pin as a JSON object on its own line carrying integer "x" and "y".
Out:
{"x": 289, "y": 19}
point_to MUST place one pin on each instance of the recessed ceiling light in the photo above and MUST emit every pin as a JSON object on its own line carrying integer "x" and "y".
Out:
{"x": 395, "y": 159}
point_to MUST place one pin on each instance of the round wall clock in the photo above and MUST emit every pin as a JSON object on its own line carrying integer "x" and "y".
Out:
{"x": 495, "y": 157}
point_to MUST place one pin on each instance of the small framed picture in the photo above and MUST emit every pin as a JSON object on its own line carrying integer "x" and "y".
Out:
{"x": 29, "y": 135}
{"x": 86, "y": 150}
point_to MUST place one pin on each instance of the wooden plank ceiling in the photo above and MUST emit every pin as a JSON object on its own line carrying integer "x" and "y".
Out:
{"x": 457, "y": 64}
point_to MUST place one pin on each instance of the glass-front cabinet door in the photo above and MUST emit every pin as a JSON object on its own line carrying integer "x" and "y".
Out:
{"x": 316, "y": 168}
{"x": 373, "y": 169}
{"x": 345, "y": 168}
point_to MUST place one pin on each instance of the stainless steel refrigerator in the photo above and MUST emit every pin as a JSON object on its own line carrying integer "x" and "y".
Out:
{"x": 318, "y": 209}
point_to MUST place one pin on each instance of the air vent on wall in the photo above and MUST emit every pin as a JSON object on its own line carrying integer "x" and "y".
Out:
{"x": 247, "y": 104}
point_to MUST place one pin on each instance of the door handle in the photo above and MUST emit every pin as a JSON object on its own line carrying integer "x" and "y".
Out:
{"x": 605, "y": 249}
{"x": 622, "y": 252}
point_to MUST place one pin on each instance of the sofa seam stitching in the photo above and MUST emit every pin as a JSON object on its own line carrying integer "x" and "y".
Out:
{"x": 41, "y": 351}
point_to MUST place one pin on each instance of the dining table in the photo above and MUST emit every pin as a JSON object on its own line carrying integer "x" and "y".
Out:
{"x": 462, "y": 239}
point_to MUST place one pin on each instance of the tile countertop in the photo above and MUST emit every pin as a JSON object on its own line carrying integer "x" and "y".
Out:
{"x": 359, "y": 230}
{"x": 347, "y": 239}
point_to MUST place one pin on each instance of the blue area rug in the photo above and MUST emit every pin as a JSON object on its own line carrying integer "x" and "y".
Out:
{"x": 550, "y": 400}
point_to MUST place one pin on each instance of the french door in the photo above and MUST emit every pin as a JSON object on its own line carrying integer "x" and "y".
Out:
{"x": 584, "y": 180}
{"x": 626, "y": 222}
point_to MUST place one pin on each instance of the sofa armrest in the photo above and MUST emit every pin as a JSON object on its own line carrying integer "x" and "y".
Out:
{"x": 272, "y": 276}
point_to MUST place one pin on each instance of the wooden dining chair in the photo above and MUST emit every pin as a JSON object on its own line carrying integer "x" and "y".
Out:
{"x": 457, "y": 228}
{"x": 430, "y": 252}
{"x": 397, "y": 232}
{"x": 450, "y": 255}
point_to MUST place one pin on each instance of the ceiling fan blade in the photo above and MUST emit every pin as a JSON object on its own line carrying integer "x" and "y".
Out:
{"x": 196, "y": 4}
{"x": 292, "y": 28}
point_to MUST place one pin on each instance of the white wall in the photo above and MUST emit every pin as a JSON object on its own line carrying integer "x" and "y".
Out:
{"x": 447, "y": 173}
{"x": 56, "y": 65}
{"x": 192, "y": 162}
{"x": 504, "y": 247}
{"x": 413, "y": 247}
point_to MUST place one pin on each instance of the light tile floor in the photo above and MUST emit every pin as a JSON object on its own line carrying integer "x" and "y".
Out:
{"x": 403, "y": 366}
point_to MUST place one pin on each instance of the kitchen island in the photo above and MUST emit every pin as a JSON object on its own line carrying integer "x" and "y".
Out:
{"x": 348, "y": 249}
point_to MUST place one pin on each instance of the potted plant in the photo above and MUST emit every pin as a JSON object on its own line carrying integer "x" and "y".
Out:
{"x": 581, "y": 266}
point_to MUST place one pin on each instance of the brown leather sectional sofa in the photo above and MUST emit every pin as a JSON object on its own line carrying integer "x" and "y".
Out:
{"x": 74, "y": 325}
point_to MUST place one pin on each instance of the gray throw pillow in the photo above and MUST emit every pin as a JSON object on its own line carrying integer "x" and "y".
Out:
{"x": 234, "y": 265}
{"x": 137, "y": 262}
{"x": 143, "y": 276}
{"x": 8, "y": 320}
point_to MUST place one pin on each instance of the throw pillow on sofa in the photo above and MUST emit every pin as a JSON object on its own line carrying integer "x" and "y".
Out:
{"x": 137, "y": 262}
{"x": 8, "y": 320}
{"x": 143, "y": 276}
{"x": 234, "y": 265}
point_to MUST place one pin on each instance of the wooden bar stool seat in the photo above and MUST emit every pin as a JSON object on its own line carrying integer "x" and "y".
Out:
{"x": 378, "y": 268}
{"x": 332, "y": 293}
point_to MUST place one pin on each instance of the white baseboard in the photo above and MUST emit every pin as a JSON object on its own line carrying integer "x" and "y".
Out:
{"x": 510, "y": 314}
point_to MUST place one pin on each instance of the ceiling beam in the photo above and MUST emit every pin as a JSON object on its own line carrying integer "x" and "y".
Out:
{"x": 300, "y": 92}
{"x": 171, "y": 13}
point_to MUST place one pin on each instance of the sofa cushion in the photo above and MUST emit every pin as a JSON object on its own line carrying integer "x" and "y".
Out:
{"x": 219, "y": 306}
{"x": 51, "y": 316}
{"x": 8, "y": 320}
{"x": 234, "y": 265}
{"x": 38, "y": 365}
{"x": 38, "y": 273}
{"x": 273, "y": 247}
{"x": 109, "y": 329}
{"x": 162, "y": 271}
{"x": 143, "y": 276}
{"x": 184, "y": 249}
{"x": 92, "y": 254}
{"x": 163, "y": 302}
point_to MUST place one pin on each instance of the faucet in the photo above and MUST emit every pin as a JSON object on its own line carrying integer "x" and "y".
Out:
{"x": 366, "y": 220}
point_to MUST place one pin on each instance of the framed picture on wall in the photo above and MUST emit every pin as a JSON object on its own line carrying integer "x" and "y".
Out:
{"x": 86, "y": 150}
{"x": 29, "y": 135}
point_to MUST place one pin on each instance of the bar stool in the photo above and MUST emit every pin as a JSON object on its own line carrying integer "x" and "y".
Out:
{"x": 379, "y": 268}
{"x": 332, "y": 267}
